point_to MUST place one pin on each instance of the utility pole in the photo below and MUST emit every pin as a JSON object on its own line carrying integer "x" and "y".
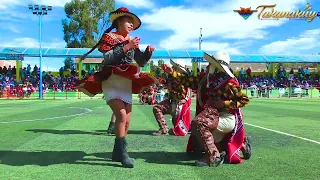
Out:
{"x": 200, "y": 39}
{"x": 200, "y": 42}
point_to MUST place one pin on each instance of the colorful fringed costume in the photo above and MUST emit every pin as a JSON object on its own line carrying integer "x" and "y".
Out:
{"x": 119, "y": 78}
{"x": 177, "y": 105}
{"x": 219, "y": 119}
{"x": 217, "y": 128}
{"x": 223, "y": 126}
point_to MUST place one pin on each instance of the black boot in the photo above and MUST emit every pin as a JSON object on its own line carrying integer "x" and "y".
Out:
{"x": 116, "y": 156}
{"x": 120, "y": 153}
{"x": 111, "y": 128}
{"x": 116, "y": 153}
{"x": 247, "y": 153}
{"x": 205, "y": 162}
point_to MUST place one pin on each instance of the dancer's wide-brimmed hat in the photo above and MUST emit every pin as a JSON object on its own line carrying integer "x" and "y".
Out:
{"x": 177, "y": 67}
{"x": 125, "y": 12}
{"x": 220, "y": 60}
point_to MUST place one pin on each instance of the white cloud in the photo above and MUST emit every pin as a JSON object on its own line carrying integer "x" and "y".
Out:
{"x": 49, "y": 64}
{"x": 137, "y": 3}
{"x": 307, "y": 40}
{"x": 13, "y": 29}
{"x": 217, "y": 20}
{"x": 4, "y": 4}
{"x": 174, "y": 43}
{"x": 32, "y": 43}
{"x": 9, "y": 26}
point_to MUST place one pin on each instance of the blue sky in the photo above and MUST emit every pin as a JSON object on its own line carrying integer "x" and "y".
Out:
{"x": 175, "y": 24}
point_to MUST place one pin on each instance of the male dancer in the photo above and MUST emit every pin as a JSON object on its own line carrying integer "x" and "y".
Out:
{"x": 177, "y": 105}
{"x": 219, "y": 117}
{"x": 219, "y": 120}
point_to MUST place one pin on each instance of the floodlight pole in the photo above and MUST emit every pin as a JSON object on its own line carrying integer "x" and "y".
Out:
{"x": 40, "y": 11}
{"x": 40, "y": 56}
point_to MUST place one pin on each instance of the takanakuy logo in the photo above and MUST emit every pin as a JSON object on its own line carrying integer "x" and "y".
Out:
{"x": 268, "y": 12}
{"x": 245, "y": 12}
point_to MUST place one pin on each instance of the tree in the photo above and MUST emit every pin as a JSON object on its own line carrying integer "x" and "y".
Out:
{"x": 160, "y": 62}
{"x": 86, "y": 21}
{"x": 153, "y": 67}
{"x": 68, "y": 63}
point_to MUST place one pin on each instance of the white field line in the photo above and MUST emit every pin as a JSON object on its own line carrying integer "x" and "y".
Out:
{"x": 51, "y": 118}
{"x": 283, "y": 133}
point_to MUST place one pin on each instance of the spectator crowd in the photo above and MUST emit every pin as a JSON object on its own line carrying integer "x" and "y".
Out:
{"x": 30, "y": 77}
{"x": 65, "y": 79}
{"x": 302, "y": 78}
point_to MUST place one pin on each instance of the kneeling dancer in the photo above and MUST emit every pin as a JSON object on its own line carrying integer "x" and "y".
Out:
{"x": 219, "y": 119}
{"x": 177, "y": 105}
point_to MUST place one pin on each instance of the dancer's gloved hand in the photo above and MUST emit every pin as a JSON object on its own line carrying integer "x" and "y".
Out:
{"x": 166, "y": 68}
{"x": 148, "y": 52}
{"x": 150, "y": 49}
{"x": 133, "y": 44}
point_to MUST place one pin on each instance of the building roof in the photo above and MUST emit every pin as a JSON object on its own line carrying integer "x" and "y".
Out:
{"x": 164, "y": 54}
{"x": 90, "y": 60}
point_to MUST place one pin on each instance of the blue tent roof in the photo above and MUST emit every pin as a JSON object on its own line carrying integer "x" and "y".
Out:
{"x": 162, "y": 54}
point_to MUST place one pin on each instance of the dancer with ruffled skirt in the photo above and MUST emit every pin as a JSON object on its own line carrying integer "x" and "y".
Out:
{"x": 119, "y": 78}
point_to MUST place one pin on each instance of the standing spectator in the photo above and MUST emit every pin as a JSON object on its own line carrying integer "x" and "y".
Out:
{"x": 307, "y": 73}
{"x": 61, "y": 70}
{"x": 248, "y": 72}
{"x": 13, "y": 70}
{"x": 23, "y": 73}
{"x": 283, "y": 73}
{"x": 9, "y": 72}
{"x": 73, "y": 72}
{"x": 29, "y": 70}
{"x": 242, "y": 73}
{"x": 4, "y": 70}
{"x": 291, "y": 72}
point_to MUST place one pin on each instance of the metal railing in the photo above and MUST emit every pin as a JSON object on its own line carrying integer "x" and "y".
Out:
{"x": 283, "y": 93}
{"x": 274, "y": 93}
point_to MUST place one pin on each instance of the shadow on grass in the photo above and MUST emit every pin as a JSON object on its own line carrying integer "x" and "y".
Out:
{"x": 67, "y": 132}
{"x": 95, "y": 132}
{"x": 46, "y": 158}
{"x": 158, "y": 157}
{"x": 137, "y": 132}
{"x": 142, "y": 132}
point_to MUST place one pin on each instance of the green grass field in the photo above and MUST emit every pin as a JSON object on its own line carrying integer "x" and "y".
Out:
{"x": 65, "y": 139}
